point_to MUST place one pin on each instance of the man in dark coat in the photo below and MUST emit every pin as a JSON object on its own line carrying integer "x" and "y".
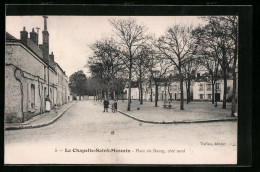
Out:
{"x": 106, "y": 103}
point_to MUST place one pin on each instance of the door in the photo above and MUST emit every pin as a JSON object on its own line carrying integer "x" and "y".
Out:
{"x": 45, "y": 94}
{"x": 32, "y": 96}
{"x": 217, "y": 97}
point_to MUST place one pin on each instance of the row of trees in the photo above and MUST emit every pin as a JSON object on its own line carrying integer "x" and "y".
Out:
{"x": 132, "y": 54}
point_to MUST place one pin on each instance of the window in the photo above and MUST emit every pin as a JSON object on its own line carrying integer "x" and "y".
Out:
{"x": 209, "y": 96}
{"x": 208, "y": 87}
{"x": 32, "y": 96}
{"x": 201, "y": 87}
{"x": 217, "y": 86}
{"x": 201, "y": 96}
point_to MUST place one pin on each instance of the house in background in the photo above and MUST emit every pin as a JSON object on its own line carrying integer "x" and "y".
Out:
{"x": 166, "y": 91}
{"x": 31, "y": 74}
{"x": 202, "y": 90}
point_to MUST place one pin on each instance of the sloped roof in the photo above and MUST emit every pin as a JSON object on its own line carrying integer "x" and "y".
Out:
{"x": 10, "y": 37}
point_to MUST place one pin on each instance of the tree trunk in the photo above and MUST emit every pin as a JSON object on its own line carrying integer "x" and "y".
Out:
{"x": 181, "y": 87}
{"x": 188, "y": 94}
{"x": 101, "y": 94}
{"x": 108, "y": 94}
{"x": 234, "y": 96}
{"x": 95, "y": 95}
{"x": 141, "y": 93}
{"x": 216, "y": 102}
{"x": 233, "y": 108}
{"x": 213, "y": 92}
{"x": 114, "y": 94}
{"x": 156, "y": 94}
{"x": 165, "y": 93}
{"x": 187, "y": 100}
{"x": 225, "y": 91}
{"x": 212, "y": 89}
{"x": 130, "y": 82}
{"x": 182, "y": 102}
{"x": 169, "y": 91}
{"x": 151, "y": 91}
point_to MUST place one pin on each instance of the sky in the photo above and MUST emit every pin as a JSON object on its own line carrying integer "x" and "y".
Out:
{"x": 70, "y": 36}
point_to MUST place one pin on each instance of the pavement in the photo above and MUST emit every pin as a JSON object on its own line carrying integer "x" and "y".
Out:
{"x": 84, "y": 126}
{"x": 195, "y": 112}
{"x": 40, "y": 120}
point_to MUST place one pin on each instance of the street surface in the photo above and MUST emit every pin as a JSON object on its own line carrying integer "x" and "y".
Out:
{"x": 84, "y": 132}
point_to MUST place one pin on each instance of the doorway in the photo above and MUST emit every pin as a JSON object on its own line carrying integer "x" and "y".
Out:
{"x": 217, "y": 97}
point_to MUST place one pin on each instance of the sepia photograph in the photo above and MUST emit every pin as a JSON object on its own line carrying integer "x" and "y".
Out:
{"x": 109, "y": 89}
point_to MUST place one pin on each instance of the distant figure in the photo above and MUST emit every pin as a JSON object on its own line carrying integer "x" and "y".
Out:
{"x": 47, "y": 104}
{"x": 115, "y": 105}
{"x": 106, "y": 103}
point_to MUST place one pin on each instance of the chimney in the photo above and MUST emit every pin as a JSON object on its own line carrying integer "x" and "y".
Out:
{"x": 51, "y": 56}
{"x": 34, "y": 36}
{"x": 45, "y": 38}
{"x": 24, "y": 36}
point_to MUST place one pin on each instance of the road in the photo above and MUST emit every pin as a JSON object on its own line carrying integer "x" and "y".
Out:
{"x": 85, "y": 128}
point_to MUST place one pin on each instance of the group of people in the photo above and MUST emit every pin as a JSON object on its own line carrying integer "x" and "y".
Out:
{"x": 106, "y": 103}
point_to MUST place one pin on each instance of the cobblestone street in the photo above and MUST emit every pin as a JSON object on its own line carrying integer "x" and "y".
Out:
{"x": 85, "y": 127}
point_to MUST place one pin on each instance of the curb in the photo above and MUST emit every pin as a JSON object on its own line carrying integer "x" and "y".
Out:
{"x": 39, "y": 125}
{"x": 176, "y": 122}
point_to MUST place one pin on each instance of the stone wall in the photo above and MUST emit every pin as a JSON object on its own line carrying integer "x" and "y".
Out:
{"x": 25, "y": 87}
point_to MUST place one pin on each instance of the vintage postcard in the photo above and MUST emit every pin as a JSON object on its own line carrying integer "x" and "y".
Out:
{"x": 93, "y": 89}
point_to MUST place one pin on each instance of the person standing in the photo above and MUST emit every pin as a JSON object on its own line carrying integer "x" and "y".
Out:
{"x": 106, "y": 103}
{"x": 47, "y": 104}
{"x": 115, "y": 105}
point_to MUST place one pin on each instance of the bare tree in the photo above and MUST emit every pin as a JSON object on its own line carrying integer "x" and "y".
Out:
{"x": 190, "y": 68}
{"x": 160, "y": 70}
{"x": 142, "y": 64}
{"x": 232, "y": 24}
{"x": 177, "y": 45}
{"x": 219, "y": 35}
{"x": 105, "y": 63}
{"x": 130, "y": 37}
{"x": 211, "y": 63}
{"x": 208, "y": 51}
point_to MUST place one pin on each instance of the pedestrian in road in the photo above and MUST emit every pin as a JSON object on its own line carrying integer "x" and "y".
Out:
{"x": 115, "y": 105}
{"x": 106, "y": 103}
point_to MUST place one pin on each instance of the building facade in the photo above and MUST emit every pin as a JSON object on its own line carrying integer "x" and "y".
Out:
{"x": 63, "y": 95}
{"x": 31, "y": 75}
{"x": 199, "y": 91}
{"x": 202, "y": 90}
{"x": 169, "y": 91}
